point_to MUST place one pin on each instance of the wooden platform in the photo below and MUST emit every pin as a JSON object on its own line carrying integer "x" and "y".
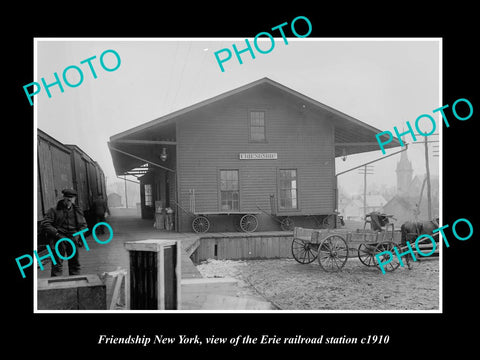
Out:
{"x": 233, "y": 246}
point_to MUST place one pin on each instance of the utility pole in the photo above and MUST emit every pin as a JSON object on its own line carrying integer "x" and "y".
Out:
{"x": 427, "y": 169}
{"x": 429, "y": 190}
{"x": 435, "y": 150}
{"x": 366, "y": 170}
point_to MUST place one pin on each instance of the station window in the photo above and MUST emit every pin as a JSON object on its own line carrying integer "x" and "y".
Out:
{"x": 257, "y": 126}
{"x": 288, "y": 189}
{"x": 229, "y": 190}
{"x": 148, "y": 195}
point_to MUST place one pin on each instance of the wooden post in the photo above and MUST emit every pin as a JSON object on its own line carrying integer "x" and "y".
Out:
{"x": 119, "y": 276}
{"x": 367, "y": 170}
{"x": 365, "y": 192}
{"x": 429, "y": 191}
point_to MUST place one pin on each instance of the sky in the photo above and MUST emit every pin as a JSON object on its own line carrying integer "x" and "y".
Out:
{"x": 382, "y": 82}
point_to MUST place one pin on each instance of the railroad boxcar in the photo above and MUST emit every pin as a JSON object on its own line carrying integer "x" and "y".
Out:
{"x": 54, "y": 172}
{"x": 63, "y": 166}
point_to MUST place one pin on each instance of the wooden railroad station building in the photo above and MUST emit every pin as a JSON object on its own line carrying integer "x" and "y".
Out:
{"x": 261, "y": 148}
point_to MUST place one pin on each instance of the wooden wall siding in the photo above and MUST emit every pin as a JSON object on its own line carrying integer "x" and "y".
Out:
{"x": 54, "y": 173}
{"x": 100, "y": 182}
{"x": 92, "y": 181}
{"x": 274, "y": 246}
{"x": 243, "y": 247}
{"x": 80, "y": 175}
{"x": 65, "y": 166}
{"x": 45, "y": 173}
{"x": 210, "y": 139}
{"x": 40, "y": 210}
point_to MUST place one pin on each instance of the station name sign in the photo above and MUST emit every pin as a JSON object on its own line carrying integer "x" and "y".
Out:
{"x": 258, "y": 156}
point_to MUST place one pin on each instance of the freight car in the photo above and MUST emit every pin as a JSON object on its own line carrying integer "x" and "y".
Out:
{"x": 63, "y": 166}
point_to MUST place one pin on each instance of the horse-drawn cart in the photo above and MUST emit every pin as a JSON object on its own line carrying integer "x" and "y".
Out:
{"x": 332, "y": 247}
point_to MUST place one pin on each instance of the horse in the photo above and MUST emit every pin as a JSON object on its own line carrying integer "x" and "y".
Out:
{"x": 417, "y": 228}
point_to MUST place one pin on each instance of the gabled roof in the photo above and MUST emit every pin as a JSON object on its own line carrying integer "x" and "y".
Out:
{"x": 375, "y": 200}
{"x": 46, "y": 137}
{"x": 351, "y": 135}
{"x": 407, "y": 202}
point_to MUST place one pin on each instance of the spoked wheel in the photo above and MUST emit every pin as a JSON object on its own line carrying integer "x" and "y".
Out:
{"x": 328, "y": 222}
{"x": 333, "y": 253}
{"x": 304, "y": 251}
{"x": 287, "y": 224}
{"x": 248, "y": 223}
{"x": 200, "y": 224}
{"x": 366, "y": 254}
{"x": 388, "y": 266}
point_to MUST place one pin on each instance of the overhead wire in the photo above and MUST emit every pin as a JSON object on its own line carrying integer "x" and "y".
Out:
{"x": 199, "y": 72}
{"x": 180, "y": 82}
{"x": 167, "y": 88}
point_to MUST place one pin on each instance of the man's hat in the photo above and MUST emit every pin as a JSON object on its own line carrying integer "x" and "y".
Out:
{"x": 69, "y": 193}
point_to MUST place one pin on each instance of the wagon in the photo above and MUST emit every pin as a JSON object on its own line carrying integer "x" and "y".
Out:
{"x": 244, "y": 221}
{"x": 287, "y": 221}
{"x": 332, "y": 247}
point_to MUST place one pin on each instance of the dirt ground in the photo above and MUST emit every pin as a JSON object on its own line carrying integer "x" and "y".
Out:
{"x": 289, "y": 285}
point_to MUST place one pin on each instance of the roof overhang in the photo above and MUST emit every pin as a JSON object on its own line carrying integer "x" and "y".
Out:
{"x": 139, "y": 145}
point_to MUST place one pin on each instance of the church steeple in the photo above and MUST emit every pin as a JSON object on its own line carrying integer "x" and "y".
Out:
{"x": 404, "y": 174}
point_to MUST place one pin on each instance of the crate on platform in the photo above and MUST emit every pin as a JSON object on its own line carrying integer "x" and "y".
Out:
{"x": 154, "y": 275}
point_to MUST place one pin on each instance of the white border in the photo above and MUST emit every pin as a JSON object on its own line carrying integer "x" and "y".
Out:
{"x": 279, "y": 312}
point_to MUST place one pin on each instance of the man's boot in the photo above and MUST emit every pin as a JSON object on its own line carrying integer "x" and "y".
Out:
{"x": 56, "y": 270}
{"x": 75, "y": 271}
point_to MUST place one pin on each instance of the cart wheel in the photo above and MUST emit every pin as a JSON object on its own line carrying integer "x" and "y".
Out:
{"x": 200, "y": 224}
{"x": 366, "y": 254}
{"x": 287, "y": 224}
{"x": 333, "y": 253}
{"x": 305, "y": 251}
{"x": 328, "y": 222}
{"x": 387, "y": 246}
{"x": 248, "y": 223}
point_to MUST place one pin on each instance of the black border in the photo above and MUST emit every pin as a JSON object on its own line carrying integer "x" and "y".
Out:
{"x": 409, "y": 333}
